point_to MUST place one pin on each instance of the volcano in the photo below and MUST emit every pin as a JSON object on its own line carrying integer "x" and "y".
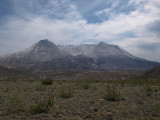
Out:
{"x": 45, "y": 55}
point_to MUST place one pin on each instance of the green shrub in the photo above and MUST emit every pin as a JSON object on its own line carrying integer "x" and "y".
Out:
{"x": 85, "y": 85}
{"x": 112, "y": 94}
{"x": 148, "y": 88}
{"x": 66, "y": 93}
{"x": 42, "y": 107}
{"x": 47, "y": 81}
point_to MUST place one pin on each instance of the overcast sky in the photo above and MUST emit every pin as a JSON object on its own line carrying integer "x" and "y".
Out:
{"x": 132, "y": 24}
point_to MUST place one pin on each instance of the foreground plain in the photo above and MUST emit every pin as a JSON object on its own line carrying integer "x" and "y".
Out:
{"x": 77, "y": 95}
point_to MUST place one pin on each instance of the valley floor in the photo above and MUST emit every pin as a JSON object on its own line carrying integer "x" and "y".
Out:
{"x": 82, "y": 97}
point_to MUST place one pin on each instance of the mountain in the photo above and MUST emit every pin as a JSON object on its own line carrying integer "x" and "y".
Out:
{"x": 45, "y": 55}
{"x": 108, "y": 57}
{"x": 42, "y": 51}
{"x": 95, "y": 51}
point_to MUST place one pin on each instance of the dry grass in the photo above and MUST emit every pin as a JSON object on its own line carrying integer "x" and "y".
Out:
{"x": 79, "y": 99}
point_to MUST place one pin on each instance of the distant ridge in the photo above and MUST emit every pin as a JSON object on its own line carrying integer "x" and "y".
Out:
{"x": 4, "y": 70}
{"x": 153, "y": 73}
{"x": 45, "y": 55}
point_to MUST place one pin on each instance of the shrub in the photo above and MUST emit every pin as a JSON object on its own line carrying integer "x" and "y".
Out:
{"x": 67, "y": 93}
{"x": 42, "y": 107}
{"x": 85, "y": 85}
{"x": 16, "y": 105}
{"x": 112, "y": 94}
{"x": 148, "y": 88}
{"x": 47, "y": 81}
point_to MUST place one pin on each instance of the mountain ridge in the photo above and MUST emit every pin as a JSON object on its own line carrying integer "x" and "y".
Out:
{"x": 45, "y": 55}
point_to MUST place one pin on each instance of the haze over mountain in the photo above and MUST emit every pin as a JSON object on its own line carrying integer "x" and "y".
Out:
{"x": 45, "y": 55}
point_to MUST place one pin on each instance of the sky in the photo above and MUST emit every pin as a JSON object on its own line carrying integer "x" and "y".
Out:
{"x": 134, "y": 25}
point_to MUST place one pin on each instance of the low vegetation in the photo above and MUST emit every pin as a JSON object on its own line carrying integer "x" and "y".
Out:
{"x": 66, "y": 93}
{"x": 40, "y": 88}
{"x": 85, "y": 85}
{"x": 16, "y": 105}
{"x": 47, "y": 81}
{"x": 42, "y": 106}
{"x": 112, "y": 94}
{"x": 80, "y": 95}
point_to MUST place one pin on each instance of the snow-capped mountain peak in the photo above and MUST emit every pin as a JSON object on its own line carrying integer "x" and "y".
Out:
{"x": 46, "y": 55}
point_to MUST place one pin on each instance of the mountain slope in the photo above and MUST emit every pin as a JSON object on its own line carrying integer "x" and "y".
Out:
{"x": 42, "y": 51}
{"x": 45, "y": 55}
{"x": 108, "y": 57}
{"x": 153, "y": 73}
{"x": 95, "y": 51}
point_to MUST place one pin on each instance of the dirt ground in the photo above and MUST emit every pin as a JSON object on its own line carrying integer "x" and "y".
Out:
{"x": 118, "y": 98}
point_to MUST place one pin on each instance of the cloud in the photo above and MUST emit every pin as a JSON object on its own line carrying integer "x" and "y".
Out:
{"x": 108, "y": 11}
{"x": 133, "y": 25}
{"x": 154, "y": 28}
